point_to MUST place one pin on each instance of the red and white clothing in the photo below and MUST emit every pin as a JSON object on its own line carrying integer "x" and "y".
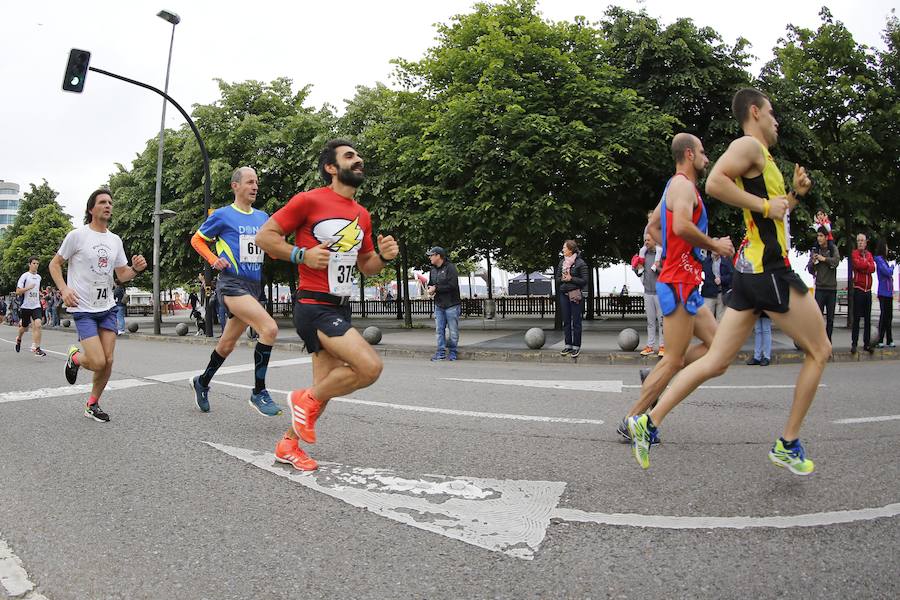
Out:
{"x": 324, "y": 216}
{"x": 682, "y": 262}
{"x": 863, "y": 266}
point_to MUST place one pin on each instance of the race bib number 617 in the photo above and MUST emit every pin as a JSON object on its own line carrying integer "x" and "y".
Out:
{"x": 250, "y": 252}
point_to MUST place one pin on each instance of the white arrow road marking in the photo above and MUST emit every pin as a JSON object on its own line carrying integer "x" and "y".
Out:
{"x": 868, "y": 419}
{"x": 14, "y": 577}
{"x": 504, "y": 516}
{"x": 122, "y": 384}
{"x": 441, "y": 411}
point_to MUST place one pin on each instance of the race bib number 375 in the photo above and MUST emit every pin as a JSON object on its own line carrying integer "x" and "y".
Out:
{"x": 340, "y": 273}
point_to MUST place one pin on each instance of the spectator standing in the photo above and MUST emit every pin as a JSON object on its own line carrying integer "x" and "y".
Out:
{"x": 823, "y": 263}
{"x": 762, "y": 341}
{"x": 647, "y": 268}
{"x": 885, "y": 295}
{"x": 2, "y": 308}
{"x": 443, "y": 286}
{"x": 863, "y": 264}
{"x": 716, "y": 283}
{"x": 572, "y": 283}
{"x": 121, "y": 304}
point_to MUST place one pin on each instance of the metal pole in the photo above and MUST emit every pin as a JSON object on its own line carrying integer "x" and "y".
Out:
{"x": 157, "y": 314}
{"x": 203, "y": 153}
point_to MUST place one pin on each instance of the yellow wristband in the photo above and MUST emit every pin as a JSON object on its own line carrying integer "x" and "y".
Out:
{"x": 765, "y": 209}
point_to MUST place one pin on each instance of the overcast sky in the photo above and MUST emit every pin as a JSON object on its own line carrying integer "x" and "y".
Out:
{"x": 74, "y": 140}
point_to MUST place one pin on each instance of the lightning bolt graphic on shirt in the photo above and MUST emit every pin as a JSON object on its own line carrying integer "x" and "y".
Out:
{"x": 350, "y": 235}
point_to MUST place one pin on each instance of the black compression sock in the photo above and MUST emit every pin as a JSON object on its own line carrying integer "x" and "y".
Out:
{"x": 215, "y": 361}
{"x": 260, "y": 365}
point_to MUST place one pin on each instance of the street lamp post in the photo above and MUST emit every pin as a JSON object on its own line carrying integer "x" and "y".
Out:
{"x": 157, "y": 314}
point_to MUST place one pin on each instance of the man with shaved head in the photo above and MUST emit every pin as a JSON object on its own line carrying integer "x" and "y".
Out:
{"x": 747, "y": 177}
{"x": 679, "y": 224}
{"x": 239, "y": 289}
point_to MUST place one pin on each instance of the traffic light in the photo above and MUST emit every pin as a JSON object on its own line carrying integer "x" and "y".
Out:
{"x": 76, "y": 70}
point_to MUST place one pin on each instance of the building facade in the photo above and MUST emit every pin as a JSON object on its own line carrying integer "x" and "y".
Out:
{"x": 10, "y": 200}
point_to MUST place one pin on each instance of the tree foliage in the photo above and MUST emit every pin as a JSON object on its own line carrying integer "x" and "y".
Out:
{"x": 513, "y": 133}
{"x": 262, "y": 125}
{"x": 38, "y": 230}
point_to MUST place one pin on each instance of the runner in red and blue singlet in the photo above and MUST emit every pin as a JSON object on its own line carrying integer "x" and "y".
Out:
{"x": 679, "y": 224}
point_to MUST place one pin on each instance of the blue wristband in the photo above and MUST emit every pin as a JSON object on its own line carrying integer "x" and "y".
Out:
{"x": 297, "y": 255}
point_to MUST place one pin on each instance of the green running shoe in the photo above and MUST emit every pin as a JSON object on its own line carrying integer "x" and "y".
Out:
{"x": 641, "y": 438}
{"x": 793, "y": 459}
{"x": 71, "y": 368}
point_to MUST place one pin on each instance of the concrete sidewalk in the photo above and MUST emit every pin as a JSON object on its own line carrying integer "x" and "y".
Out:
{"x": 503, "y": 340}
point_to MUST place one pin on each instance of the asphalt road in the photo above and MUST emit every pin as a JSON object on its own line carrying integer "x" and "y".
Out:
{"x": 141, "y": 507}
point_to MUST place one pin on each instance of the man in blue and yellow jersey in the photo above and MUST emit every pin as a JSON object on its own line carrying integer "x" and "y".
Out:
{"x": 746, "y": 177}
{"x": 239, "y": 262}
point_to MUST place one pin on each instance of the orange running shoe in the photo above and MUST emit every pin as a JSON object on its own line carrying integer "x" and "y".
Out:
{"x": 647, "y": 351}
{"x": 662, "y": 351}
{"x": 288, "y": 452}
{"x": 304, "y": 412}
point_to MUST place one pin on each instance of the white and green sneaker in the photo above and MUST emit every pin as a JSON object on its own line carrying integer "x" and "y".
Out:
{"x": 793, "y": 458}
{"x": 641, "y": 438}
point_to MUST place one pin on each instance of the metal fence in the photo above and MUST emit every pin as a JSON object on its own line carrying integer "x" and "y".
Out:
{"x": 534, "y": 306}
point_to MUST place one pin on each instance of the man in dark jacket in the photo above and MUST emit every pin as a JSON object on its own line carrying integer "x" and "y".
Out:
{"x": 443, "y": 286}
{"x": 823, "y": 263}
{"x": 716, "y": 283}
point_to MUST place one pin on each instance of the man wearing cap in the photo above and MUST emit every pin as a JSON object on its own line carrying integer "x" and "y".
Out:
{"x": 443, "y": 286}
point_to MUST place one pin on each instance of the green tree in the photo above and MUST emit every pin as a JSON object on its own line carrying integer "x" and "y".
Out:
{"x": 689, "y": 73}
{"x": 530, "y": 137}
{"x": 39, "y": 229}
{"x": 825, "y": 87}
{"x": 886, "y": 132}
{"x": 262, "y": 125}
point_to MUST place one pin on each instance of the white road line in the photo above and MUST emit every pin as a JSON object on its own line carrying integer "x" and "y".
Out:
{"x": 122, "y": 384}
{"x": 14, "y": 577}
{"x": 443, "y": 411}
{"x": 780, "y": 522}
{"x": 609, "y": 386}
{"x": 613, "y": 386}
{"x": 69, "y": 390}
{"x": 13, "y": 342}
{"x": 867, "y": 419}
{"x": 741, "y": 387}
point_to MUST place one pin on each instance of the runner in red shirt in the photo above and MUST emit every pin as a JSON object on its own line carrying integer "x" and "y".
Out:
{"x": 679, "y": 224}
{"x": 333, "y": 237}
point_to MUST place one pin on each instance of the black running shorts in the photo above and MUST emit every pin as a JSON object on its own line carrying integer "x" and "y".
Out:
{"x": 26, "y": 315}
{"x": 310, "y": 319}
{"x": 768, "y": 291}
{"x": 230, "y": 285}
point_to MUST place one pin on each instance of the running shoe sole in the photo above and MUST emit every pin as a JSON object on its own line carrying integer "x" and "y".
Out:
{"x": 71, "y": 369}
{"x": 194, "y": 382}
{"x": 778, "y": 463}
{"x": 90, "y": 415}
{"x": 260, "y": 411}
{"x": 300, "y": 418}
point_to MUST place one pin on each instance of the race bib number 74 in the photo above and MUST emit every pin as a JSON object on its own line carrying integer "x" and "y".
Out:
{"x": 341, "y": 267}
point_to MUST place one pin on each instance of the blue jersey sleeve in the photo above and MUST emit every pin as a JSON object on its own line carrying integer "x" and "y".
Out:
{"x": 213, "y": 226}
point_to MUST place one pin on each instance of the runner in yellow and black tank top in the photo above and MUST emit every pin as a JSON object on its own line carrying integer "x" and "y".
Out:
{"x": 765, "y": 245}
{"x": 763, "y": 271}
